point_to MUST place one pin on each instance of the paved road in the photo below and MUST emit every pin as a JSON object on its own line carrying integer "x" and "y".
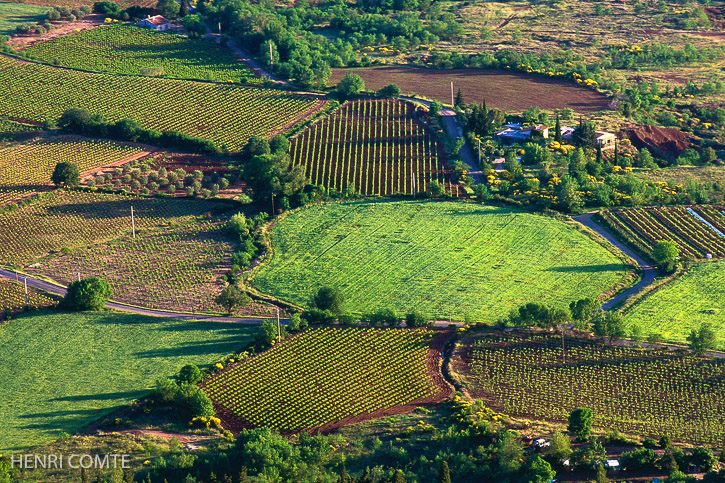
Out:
{"x": 454, "y": 130}
{"x": 649, "y": 271}
{"x": 60, "y": 290}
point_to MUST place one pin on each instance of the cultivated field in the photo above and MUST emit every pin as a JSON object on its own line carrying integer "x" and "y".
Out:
{"x": 131, "y": 50}
{"x": 14, "y": 14}
{"x": 77, "y": 219}
{"x": 328, "y": 377}
{"x": 8, "y": 195}
{"x": 645, "y": 392}
{"x": 697, "y": 230}
{"x": 444, "y": 258}
{"x": 683, "y": 304}
{"x": 32, "y": 164}
{"x": 684, "y": 174}
{"x": 504, "y": 90}
{"x": 380, "y": 147}
{"x": 12, "y": 131}
{"x": 12, "y": 296}
{"x": 62, "y": 371}
{"x": 225, "y": 114}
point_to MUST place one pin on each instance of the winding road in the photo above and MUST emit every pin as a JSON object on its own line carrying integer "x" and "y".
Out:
{"x": 649, "y": 272}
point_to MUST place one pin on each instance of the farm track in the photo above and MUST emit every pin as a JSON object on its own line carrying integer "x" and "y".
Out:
{"x": 649, "y": 272}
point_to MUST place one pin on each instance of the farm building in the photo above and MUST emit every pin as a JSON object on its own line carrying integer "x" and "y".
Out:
{"x": 156, "y": 23}
{"x": 514, "y": 133}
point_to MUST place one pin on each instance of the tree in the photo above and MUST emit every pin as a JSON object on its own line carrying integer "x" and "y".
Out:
{"x": 398, "y": 477}
{"x": 512, "y": 165}
{"x": 580, "y": 423}
{"x": 267, "y": 334}
{"x": 584, "y": 309}
{"x": 481, "y": 120}
{"x": 435, "y": 108}
{"x": 329, "y": 298}
{"x": 350, "y": 85}
{"x": 279, "y": 144}
{"x": 444, "y": 474}
{"x": 560, "y": 447}
{"x": 601, "y": 474}
{"x": 87, "y": 294}
{"x": 200, "y": 404}
{"x": 231, "y": 298}
{"x": 273, "y": 175}
{"x": 75, "y": 119}
{"x": 194, "y": 25}
{"x": 569, "y": 199}
{"x": 609, "y": 325}
{"x": 702, "y": 340}
{"x": 189, "y": 374}
{"x": 557, "y": 130}
{"x": 665, "y": 254}
{"x": 168, "y": 8}
{"x": 585, "y": 135}
{"x": 391, "y": 90}
{"x": 416, "y": 319}
{"x": 704, "y": 458}
{"x": 539, "y": 471}
{"x": 459, "y": 99}
{"x": 66, "y": 174}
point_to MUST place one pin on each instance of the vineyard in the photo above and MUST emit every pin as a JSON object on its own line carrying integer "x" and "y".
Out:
{"x": 225, "y": 114}
{"x": 130, "y": 50}
{"x": 13, "y": 131}
{"x": 444, "y": 258}
{"x": 12, "y": 296}
{"x": 683, "y": 304}
{"x": 697, "y": 230}
{"x": 33, "y": 163}
{"x": 380, "y": 147}
{"x": 328, "y": 377}
{"x": 61, "y": 371}
{"x": 177, "y": 270}
{"x": 651, "y": 393}
{"x": 75, "y": 219}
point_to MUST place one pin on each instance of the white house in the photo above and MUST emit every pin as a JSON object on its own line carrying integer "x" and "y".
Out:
{"x": 156, "y": 23}
{"x": 604, "y": 139}
{"x": 514, "y": 133}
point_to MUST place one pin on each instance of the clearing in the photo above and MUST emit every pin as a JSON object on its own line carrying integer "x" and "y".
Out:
{"x": 444, "y": 258}
{"x": 683, "y": 304}
{"x": 225, "y": 114}
{"x": 632, "y": 390}
{"x": 329, "y": 377}
{"x": 77, "y": 368}
{"x": 14, "y": 14}
{"x": 376, "y": 146}
{"x": 509, "y": 91}
{"x": 131, "y": 50}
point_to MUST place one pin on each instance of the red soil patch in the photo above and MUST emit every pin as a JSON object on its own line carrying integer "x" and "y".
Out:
{"x": 502, "y": 89}
{"x": 664, "y": 142}
{"x": 235, "y": 424}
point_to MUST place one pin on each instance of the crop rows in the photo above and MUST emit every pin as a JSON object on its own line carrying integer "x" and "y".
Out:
{"x": 378, "y": 146}
{"x": 683, "y": 304}
{"x": 324, "y": 376}
{"x": 33, "y": 163}
{"x": 78, "y": 219}
{"x": 11, "y": 131}
{"x": 12, "y": 296}
{"x": 695, "y": 239}
{"x": 9, "y": 195}
{"x": 130, "y": 50}
{"x": 632, "y": 390}
{"x": 225, "y": 114}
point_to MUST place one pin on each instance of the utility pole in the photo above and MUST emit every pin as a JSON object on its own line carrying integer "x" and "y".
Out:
{"x": 219, "y": 39}
{"x": 133, "y": 223}
{"x": 272, "y": 205}
{"x": 279, "y": 328}
{"x": 26, "y": 292}
{"x": 479, "y": 152}
{"x": 271, "y": 58}
{"x": 453, "y": 102}
{"x": 79, "y": 276}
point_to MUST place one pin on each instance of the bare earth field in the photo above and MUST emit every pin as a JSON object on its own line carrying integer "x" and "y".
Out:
{"x": 504, "y": 90}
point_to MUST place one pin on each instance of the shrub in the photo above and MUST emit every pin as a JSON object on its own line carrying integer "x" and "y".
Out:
{"x": 189, "y": 374}
{"x": 165, "y": 391}
{"x": 416, "y": 319}
{"x": 87, "y": 294}
{"x": 329, "y": 298}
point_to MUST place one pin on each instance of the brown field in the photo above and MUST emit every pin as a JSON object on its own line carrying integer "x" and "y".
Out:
{"x": 505, "y": 90}
{"x": 79, "y": 3}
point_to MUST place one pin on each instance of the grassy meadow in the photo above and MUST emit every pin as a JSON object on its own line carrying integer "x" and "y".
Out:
{"x": 14, "y": 14}
{"x": 444, "y": 258}
{"x": 60, "y": 372}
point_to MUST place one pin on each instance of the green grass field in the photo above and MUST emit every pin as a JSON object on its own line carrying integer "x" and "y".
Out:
{"x": 127, "y": 49}
{"x": 444, "y": 258}
{"x": 683, "y": 304}
{"x": 61, "y": 371}
{"x": 14, "y": 14}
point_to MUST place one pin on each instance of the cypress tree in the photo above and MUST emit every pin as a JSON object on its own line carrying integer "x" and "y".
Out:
{"x": 557, "y": 130}
{"x": 599, "y": 154}
{"x": 444, "y": 475}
